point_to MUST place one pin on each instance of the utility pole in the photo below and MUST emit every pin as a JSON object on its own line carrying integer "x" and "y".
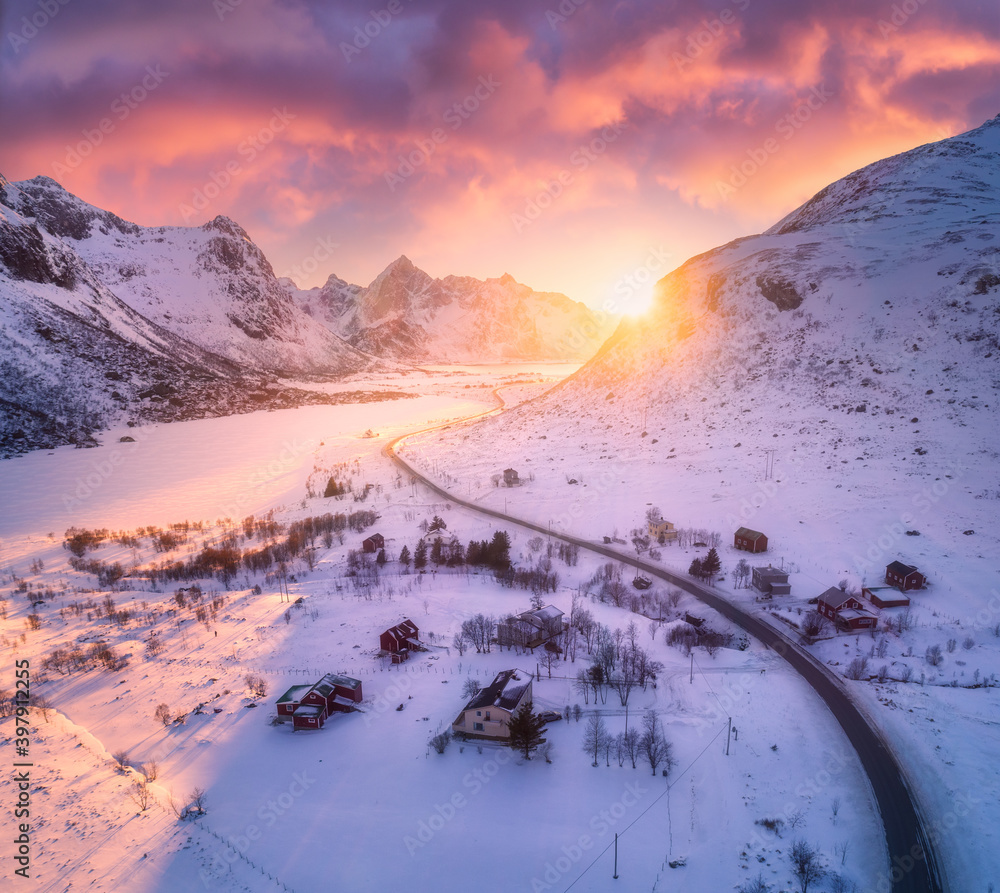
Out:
{"x": 616, "y": 856}
{"x": 729, "y": 732}
{"x": 691, "y": 680}
{"x": 769, "y": 463}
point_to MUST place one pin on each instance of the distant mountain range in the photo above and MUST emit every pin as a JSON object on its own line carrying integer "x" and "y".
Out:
{"x": 408, "y": 316}
{"x": 104, "y": 321}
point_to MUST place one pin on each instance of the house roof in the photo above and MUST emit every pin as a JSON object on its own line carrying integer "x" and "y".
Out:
{"x": 771, "y": 572}
{"x": 835, "y": 597}
{"x": 854, "y": 613}
{"x": 549, "y": 612}
{"x": 293, "y": 693}
{"x": 308, "y": 710}
{"x": 749, "y": 534}
{"x": 505, "y": 692}
{"x": 897, "y": 567}
{"x": 333, "y": 679}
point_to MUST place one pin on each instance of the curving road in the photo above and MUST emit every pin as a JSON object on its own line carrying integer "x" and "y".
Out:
{"x": 913, "y": 866}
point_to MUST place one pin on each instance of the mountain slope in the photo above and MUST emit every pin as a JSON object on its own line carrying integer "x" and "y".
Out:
{"x": 859, "y": 338}
{"x": 407, "y": 315}
{"x": 76, "y": 355}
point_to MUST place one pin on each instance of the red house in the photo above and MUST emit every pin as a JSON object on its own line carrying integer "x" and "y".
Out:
{"x": 834, "y": 600}
{"x": 845, "y": 610}
{"x": 373, "y": 543}
{"x": 399, "y": 639}
{"x": 750, "y": 540}
{"x": 904, "y": 577}
{"x": 309, "y": 706}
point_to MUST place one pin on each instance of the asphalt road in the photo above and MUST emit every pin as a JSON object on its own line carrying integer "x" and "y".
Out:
{"x": 913, "y": 866}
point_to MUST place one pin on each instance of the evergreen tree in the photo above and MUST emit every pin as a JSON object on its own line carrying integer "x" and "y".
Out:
{"x": 333, "y": 488}
{"x": 380, "y": 559}
{"x": 437, "y": 553}
{"x": 499, "y": 551}
{"x": 420, "y": 555}
{"x": 526, "y": 730}
{"x": 711, "y": 565}
{"x": 695, "y": 570}
{"x": 404, "y": 556}
{"x": 473, "y": 554}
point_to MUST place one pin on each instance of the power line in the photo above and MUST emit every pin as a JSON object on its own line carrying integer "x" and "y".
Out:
{"x": 647, "y": 809}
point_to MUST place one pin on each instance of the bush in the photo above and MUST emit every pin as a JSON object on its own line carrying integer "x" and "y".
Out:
{"x": 440, "y": 742}
{"x": 857, "y": 668}
{"x": 257, "y": 685}
{"x": 933, "y": 655}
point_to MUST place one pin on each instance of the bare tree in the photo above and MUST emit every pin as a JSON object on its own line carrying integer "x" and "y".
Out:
{"x": 755, "y": 885}
{"x": 151, "y": 769}
{"x": 459, "y": 643}
{"x": 653, "y": 744}
{"x": 631, "y": 744}
{"x": 197, "y": 798}
{"x": 140, "y": 794}
{"x": 595, "y": 736}
{"x": 163, "y": 714}
{"x": 806, "y": 864}
{"x": 121, "y": 759}
{"x": 470, "y": 688}
{"x": 257, "y": 685}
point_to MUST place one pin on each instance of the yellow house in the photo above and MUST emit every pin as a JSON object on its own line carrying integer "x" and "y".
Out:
{"x": 489, "y": 711}
{"x": 662, "y": 528}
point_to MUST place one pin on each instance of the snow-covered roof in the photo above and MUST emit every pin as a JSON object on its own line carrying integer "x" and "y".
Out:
{"x": 749, "y": 534}
{"x": 835, "y": 597}
{"x": 505, "y": 691}
{"x": 897, "y": 567}
{"x": 294, "y": 693}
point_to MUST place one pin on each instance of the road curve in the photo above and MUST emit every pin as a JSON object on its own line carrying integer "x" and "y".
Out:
{"x": 913, "y": 866}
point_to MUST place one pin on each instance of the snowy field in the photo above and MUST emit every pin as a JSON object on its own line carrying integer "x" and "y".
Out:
{"x": 366, "y": 803}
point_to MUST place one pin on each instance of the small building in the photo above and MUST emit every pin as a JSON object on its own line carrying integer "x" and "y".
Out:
{"x": 489, "y": 711}
{"x": 531, "y": 628}
{"x": 880, "y": 598}
{"x": 657, "y": 528}
{"x": 834, "y": 600}
{"x": 510, "y": 478}
{"x": 309, "y": 706}
{"x": 904, "y": 577}
{"x": 845, "y": 610}
{"x": 373, "y": 543}
{"x": 770, "y": 581}
{"x": 398, "y": 640}
{"x": 854, "y": 619}
{"x": 308, "y": 717}
{"x": 750, "y": 540}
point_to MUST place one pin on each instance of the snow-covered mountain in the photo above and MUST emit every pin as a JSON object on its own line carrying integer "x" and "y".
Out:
{"x": 104, "y": 320}
{"x": 405, "y": 314}
{"x": 859, "y": 338}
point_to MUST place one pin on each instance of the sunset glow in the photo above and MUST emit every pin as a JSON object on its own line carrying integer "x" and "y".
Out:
{"x": 555, "y": 145}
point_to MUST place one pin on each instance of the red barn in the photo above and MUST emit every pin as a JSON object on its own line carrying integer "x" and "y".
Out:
{"x": 373, "y": 543}
{"x": 750, "y": 540}
{"x": 904, "y": 577}
{"x": 397, "y": 640}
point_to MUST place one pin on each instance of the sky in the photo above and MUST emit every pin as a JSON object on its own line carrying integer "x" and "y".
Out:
{"x": 577, "y": 145}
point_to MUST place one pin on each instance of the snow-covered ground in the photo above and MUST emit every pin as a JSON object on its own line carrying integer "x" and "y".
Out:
{"x": 366, "y": 803}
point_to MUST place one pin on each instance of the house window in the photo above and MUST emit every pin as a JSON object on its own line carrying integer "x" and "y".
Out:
{"x": 479, "y": 713}
{"x": 487, "y": 715}
{"x": 477, "y": 727}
